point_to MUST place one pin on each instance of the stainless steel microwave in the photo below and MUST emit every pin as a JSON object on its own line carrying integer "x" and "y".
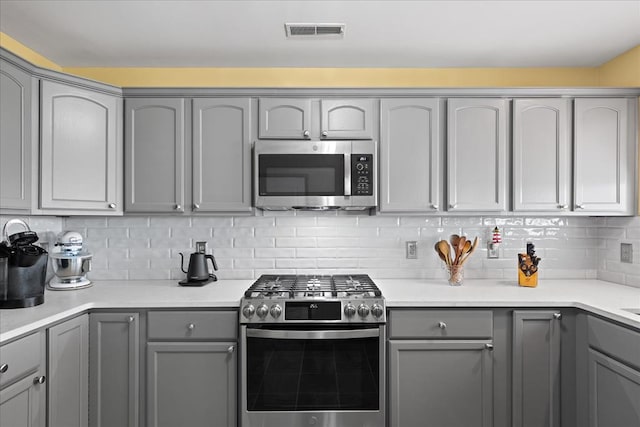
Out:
{"x": 315, "y": 175}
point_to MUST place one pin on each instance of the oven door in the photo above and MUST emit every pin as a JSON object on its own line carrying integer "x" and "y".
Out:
{"x": 309, "y": 375}
{"x": 309, "y": 174}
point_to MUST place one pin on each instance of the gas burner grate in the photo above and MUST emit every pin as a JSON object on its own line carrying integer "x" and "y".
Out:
{"x": 301, "y": 286}
{"x": 356, "y": 284}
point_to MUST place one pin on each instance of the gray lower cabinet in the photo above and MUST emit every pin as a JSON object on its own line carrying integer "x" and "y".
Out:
{"x": 191, "y": 384}
{"x": 15, "y": 138}
{"x": 192, "y": 368}
{"x": 80, "y": 152}
{"x": 477, "y": 154}
{"x": 613, "y": 360}
{"x": 536, "y": 369}
{"x": 114, "y": 363}
{"x": 605, "y": 155}
{"x": 441, "y": 368}
{"x": 222, "y": 155}
{"x": 410, "y": 155}
{"x": 23, "y": 382}
{"x": 542, "y": 155}
{"x": 154, "y": 155}
{"x": 68, "y": 367}
{"x": 440, "y": 383}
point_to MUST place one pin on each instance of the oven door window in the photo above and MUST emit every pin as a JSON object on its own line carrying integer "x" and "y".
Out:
{"x": 313, "y": 374}
{"x": 301, "y": 174}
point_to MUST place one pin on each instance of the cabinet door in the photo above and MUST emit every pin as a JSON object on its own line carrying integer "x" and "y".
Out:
{"x": 81, "y": 160}
{"x": 154, "y": 161}
{"x": 541, "y": 154}
{"x": 614, "y": 392}
{"x": 440, "y": 383}
{"x": 23, "y": 403}
{"x": 346, "y": 118}
{"x": 536, "y": 369}
{"x": 15, "y": 138}
{"x": 477, "y": 154}
{"x": 222, "y": 155}
{"x": 282, "y": 118}
{"x": 410, "y": 155}
{"x": 604, "y": 155}
{"x": 114, "y": 360}
{"x": 191, "y": 384}
{"x": 68, "y": 398}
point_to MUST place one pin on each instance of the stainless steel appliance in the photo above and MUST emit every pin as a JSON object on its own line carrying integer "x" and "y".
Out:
{"x": 315, "y": 175}
{"x": 23, "y": 268}
{"x": 71, "y": 262}
{"x": 312, "y": 352}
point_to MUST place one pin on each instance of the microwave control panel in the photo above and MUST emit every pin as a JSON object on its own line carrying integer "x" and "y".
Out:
{"x": 362, "y": 175}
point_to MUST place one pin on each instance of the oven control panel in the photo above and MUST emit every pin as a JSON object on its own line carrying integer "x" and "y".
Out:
{"x": 313, "y": 310}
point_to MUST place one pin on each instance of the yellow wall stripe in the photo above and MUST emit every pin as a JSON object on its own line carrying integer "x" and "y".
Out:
{"x": 14, "y": 46}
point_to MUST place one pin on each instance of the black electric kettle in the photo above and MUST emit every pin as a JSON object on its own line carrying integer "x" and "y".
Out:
{"x": 198, "y": 272}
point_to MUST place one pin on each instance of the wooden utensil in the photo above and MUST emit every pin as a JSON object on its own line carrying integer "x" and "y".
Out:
{"x": 459, "y": 249}
{"x": 468, "y": 254}
{"x": 440, "y": 254}
{"x": 443, "y": 245}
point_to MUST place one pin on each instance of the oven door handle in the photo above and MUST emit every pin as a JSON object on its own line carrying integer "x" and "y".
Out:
{"x": 313, "y": 335}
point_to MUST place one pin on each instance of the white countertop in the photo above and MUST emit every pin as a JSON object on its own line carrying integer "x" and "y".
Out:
{"x": 603, "y": 298}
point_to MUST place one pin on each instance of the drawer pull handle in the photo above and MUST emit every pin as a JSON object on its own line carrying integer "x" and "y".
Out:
{"x": 4, "y": 368}
{"x": 39, "y": 380}
{"x": 130, "y": 319}
{"x": 557, "y": 315}
{"x": 488, "y": 346}
{"x": 191, "y": 326}
{"x": 442, "y": 325}
{"x": 231, "y": 349}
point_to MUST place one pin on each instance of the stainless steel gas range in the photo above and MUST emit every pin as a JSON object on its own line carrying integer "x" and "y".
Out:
{"x": 313, "y": 352}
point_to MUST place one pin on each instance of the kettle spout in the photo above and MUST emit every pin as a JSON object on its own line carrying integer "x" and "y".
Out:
{"x": 182, "y": 263}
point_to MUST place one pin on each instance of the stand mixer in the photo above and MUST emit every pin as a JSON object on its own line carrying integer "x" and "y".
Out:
{"x": 70, "y": 262}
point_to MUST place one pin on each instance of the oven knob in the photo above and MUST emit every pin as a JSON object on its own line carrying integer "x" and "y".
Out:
{"x": 275, "y": 311}
{"x": 349, "y": 310}
{"x": 363, "y": 310}
{"x": 248, "y": 311}
{"x": 377, "y": 310}
{"x": 262, "y": 311}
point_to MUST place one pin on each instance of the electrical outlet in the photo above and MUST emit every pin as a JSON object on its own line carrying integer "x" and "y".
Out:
{"x": 412, "y": 249}
{"x": 626, "y": 252}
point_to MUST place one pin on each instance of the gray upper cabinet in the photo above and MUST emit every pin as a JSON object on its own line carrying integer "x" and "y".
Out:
{"x": 68, "y": 397}
{"x": 410, "y": 155}
{"x": 15, "y": 138}
{"x": 604, "y": 157}
{"x": 542, "y": 155}
{"x": 477, "y": 154}
{"x": 114, "y": 369}
{"x": 155, "y": 155}
{"x": 346, "y": 118}
{"x": 304, "y": 118}
{"x": 282, "y": 118}
{"x": 536, "y": 369}
{"x": 81, "y": 153}
{"x": 222, "y": 155}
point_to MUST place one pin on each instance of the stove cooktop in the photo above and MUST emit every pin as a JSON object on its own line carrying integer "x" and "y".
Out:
{"x": 313, "y": 286}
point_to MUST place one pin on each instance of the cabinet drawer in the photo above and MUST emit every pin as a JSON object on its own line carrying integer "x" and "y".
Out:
{"x": 20, "y": 358}
{"x": 440, "y": 324}
{"x": 614, "y": 340}
{"x": 212, "y": 325}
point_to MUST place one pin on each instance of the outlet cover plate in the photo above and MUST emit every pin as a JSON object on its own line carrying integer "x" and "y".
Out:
{"x": 626, "y": 252}
{"x": 412, "y": 249}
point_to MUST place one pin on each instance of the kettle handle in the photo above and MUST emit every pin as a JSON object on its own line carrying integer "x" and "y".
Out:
{"x": 5, "y": 235}
{"x": 182, "y": 263}
{"x": 213, "y": 261}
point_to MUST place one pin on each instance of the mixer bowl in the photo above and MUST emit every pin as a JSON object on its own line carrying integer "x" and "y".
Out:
{"x": 71, "y": 267}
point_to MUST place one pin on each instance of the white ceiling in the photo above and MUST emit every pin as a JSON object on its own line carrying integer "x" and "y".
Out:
{"x": 243, "y": 33}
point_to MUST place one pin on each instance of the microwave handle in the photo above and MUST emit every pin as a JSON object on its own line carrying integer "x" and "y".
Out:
{"x": 347, "y": 174}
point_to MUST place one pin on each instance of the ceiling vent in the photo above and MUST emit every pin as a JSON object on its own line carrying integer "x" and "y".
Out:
{"x": 314, "y": 30}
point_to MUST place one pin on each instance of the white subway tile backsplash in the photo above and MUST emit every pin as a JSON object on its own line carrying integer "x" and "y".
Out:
{"x": 125, "y": 221}
{"x": 275, "y": 253}
{"x": 296, "y": 242}
{"x": 296, "y": 263}
{"x": 254, "y": 242}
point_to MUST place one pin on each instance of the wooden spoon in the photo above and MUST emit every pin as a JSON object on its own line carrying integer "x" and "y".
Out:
{"x": 470, "y": 251}
{"x": 440, "y": 254}
{"x": 459, "y": 249}
{"x": 444, "y": 247}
